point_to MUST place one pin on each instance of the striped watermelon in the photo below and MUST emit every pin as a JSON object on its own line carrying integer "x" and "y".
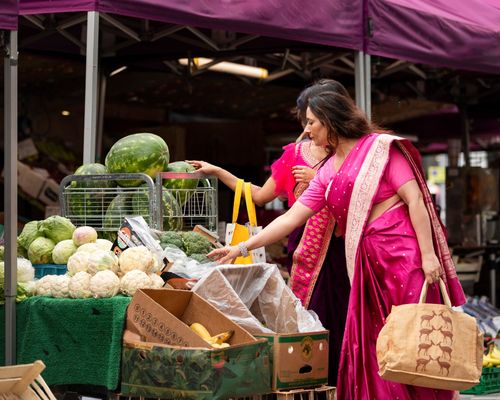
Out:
{"x": 90, "y": 200}
{"x": 141, "y": 152}
{"x": 181, "y": 188}
{"x": 172, "y": 212}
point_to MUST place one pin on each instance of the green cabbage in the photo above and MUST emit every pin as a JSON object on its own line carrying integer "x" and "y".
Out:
{"x": 63, "y": 250}
{"x": 29, "y": 233}
{"x": 40, "y": 251}
{"x": 56, "y": 228}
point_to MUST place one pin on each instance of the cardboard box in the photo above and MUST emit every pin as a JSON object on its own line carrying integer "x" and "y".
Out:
{"x": 26, "y": 149}
{"x": 163, "y": 358}
{"x": 298, "y": 360}
{"x": 163, "y": 316}
{"x": 151, "y": 370}
{"x": 29, "y": 180}
{"x": 49, "y": 194}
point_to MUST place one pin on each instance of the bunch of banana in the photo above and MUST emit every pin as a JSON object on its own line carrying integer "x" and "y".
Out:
{"x": 218, "y": 341}
{"x": 492, "y": 359}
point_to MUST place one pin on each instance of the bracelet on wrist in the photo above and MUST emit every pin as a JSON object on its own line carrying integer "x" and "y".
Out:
{"x": 243, "y": 249}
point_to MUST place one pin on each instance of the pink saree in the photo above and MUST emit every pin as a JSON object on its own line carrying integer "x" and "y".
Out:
{"x": 383, "y": 265}
{"x": 309, "y": 255}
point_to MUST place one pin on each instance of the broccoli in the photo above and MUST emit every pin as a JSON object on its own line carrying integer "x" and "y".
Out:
{"x": 173, "y": 238}
{"x": 194, "y": 243}
{"x": 201, "y": 258}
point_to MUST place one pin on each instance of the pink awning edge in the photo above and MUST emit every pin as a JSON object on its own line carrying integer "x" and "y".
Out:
{"x": 9, "y": 14}
{"x": 460, "y": 34}
{"x": 334, "y": 22}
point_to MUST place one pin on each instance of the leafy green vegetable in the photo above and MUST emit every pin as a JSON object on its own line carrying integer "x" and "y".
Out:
{"x": 172, "y": 238}
{"x": 28, "y": 234}
{"x": 194, "y": 243}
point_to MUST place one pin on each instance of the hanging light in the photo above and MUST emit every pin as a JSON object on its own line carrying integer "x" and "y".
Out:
{"x": 118, "y": 70}
{"x": 228, "y": 67}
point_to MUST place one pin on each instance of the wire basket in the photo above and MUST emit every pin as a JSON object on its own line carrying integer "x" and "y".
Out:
{"x": 97, "y": 201}
{"x": 196, "y": 197}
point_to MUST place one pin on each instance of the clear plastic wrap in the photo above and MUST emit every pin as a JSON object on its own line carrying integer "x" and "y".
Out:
{"x": 256, "y": 297}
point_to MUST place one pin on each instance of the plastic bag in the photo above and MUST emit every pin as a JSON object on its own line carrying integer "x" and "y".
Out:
{"x": 256, "y": 297}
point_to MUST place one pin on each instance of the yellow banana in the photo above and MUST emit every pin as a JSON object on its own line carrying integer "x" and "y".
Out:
{"x": 220, "y": 346}
{"x": 494, "y": 353}
{"x": 222, "y": 337}
{"x": 201, "y": 331}
{"x": 489, "y": 361}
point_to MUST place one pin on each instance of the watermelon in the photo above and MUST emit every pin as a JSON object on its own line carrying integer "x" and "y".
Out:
{"x": 118, "y": 209}
{"x": 181, "y": 187}
{"x": 172, "y": 212}
{"x": 138, "y": 153}
{"x": 90, "y": 200}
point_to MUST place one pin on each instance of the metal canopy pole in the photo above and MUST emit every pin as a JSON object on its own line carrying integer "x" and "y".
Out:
{"x": 91, "y": 83}
{"x": 10, "y": 196}
{"x": 362, "y": 78}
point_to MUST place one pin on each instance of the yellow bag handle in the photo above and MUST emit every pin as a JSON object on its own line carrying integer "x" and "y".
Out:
{"x": 237, "y": 199}
{"x": 252, "y": 215}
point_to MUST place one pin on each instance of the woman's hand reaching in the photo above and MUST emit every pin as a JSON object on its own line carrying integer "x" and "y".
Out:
{"x": 225, "y": 255}
{"x": 431, "y": 267}
{"x": 303, "y": 174}
{"x": 203, "y": 167}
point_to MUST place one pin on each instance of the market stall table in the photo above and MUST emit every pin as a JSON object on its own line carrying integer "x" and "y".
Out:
{"x": 79, "y": 340}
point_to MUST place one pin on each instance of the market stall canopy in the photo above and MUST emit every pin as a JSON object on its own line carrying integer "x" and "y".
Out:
{"x": 458, "y": 34}
{"x": 335, "y": 23}
{"x": 8, "y": 14}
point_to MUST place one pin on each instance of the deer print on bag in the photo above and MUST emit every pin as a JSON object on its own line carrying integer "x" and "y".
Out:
{"x": 444, "y": 349}
{"x": 425, "y": 332}
{"x": 443, "y": 365}
{"x": 446, "y": 334}
{"x": 422, "y": 362}
{"x": 424, "y": 347}
{"x": 427, "y": 318}
{"x": 446, "y": 319}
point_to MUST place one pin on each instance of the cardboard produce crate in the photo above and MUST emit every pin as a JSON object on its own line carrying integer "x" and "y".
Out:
{"x": 257, "y": 298}
{"x": 163, "y": 358}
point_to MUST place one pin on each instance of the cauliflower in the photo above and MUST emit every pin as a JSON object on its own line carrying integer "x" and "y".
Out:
{"x": 194, "y": 243}
{"x": 44, "y": 285}
{"x": 156, "y": 281}
{"x": 100, "y": 260}
{"x": 134, "y": 280}
{"x": 171, "y": 238}
{"x": 88, "y": 248}
{"x": 104, "y": 284}
{"x": 104, "y": 244}
{"x": 78, "y": 262}
{"x": 137, "y": 258}
{"x": 79, "y": 285}
{"x": 84, "y": 234}
{"x": 63, "y": 250}
{"x": 60, "y": 286}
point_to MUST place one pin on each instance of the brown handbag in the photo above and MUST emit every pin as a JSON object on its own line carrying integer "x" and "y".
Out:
{"x": 430, "y": 345}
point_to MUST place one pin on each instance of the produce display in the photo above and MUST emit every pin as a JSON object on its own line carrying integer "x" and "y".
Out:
{"x": 25, "y": 280}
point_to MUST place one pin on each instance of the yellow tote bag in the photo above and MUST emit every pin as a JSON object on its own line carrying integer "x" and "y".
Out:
{"x": 237, "y": 233}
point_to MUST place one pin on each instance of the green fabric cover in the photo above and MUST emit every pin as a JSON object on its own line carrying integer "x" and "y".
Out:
{"x": 79, "y": 340}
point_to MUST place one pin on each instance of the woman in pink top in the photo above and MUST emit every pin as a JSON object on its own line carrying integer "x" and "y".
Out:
{"x": 375, "y": 190}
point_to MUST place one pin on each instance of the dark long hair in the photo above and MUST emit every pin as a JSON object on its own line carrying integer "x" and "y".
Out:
{"x": 323, "y": 85}
{"x": 341, "y": 116}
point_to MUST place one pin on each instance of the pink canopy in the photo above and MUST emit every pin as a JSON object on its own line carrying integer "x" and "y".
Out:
{"x": 8, "y": 14}
{"x": 461, "y": 34}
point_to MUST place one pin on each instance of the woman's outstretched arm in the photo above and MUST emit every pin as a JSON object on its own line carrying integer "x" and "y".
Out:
{"x": 276, "y": 230}
{"x": 260, "y": 195}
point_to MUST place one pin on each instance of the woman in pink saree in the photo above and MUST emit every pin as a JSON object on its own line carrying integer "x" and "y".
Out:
{"x": 375, "y": 190}
{"x": 316, "y": 259}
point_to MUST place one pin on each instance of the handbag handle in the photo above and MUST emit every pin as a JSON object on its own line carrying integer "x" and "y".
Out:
{"x": 237, "y": 199}
{"x": 252, "y": 215}
{"x": 444, "y": 293}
